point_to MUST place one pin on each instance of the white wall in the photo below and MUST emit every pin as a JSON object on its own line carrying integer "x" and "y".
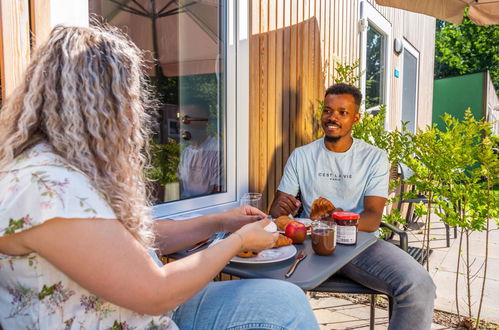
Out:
{"x": 69, "y": 12}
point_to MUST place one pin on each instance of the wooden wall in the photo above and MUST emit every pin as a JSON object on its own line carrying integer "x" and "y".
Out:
{"x": 14, "y": 43}
{"x": 294, "y": 46}
{"x": 22, "y": 24}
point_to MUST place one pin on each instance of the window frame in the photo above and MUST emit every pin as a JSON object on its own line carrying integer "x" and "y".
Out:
{"x": 414, "y": 52}
{"x": 369, "y": 15}
{"x": 236, "y": 126}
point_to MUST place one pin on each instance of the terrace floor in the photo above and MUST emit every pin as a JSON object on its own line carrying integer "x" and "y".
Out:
{"x": 337, "y": 313}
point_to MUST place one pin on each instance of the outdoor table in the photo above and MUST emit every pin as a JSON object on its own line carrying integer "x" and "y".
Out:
{"x": 311, "y": 271}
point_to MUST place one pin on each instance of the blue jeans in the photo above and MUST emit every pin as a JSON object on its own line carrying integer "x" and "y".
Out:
{"x": 247, "y": 304}
{"x": 385, "y": 267}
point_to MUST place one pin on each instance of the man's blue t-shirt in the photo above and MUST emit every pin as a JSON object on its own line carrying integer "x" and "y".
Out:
{"x": 344, "y": 178}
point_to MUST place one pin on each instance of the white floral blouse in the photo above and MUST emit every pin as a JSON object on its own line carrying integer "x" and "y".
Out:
{"x": 36, "y": 187}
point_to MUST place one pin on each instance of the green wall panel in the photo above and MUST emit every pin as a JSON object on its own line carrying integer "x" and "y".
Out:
{"x": 454, "y": 95}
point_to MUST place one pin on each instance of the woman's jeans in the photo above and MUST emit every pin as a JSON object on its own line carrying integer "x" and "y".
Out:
{"x": 247, "y": 304}
{"x": 385, "y": 267}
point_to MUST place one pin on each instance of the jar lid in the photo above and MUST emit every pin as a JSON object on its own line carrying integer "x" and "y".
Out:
{"x": 345, "y": 215}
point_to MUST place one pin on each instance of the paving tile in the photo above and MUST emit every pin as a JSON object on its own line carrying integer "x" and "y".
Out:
{"x": 477, "y": 265}
{"x": 445, "y": 282}
{"x": 327, "y": 317}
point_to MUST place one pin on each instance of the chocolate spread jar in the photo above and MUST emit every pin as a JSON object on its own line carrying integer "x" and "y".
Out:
{"x": 346, "y": 230}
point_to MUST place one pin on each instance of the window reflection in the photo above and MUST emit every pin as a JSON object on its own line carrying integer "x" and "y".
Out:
{"x": 375, "y": 68}
{"x": 184, "y": 46}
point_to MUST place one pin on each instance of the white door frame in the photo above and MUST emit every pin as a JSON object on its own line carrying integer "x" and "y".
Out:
{"x": 414, "y": 52}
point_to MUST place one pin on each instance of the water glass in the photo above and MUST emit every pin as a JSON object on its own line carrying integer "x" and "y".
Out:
{"x": 252, "y": 199}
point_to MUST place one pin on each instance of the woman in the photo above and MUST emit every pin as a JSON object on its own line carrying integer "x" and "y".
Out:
{"x": 74, "y": 217}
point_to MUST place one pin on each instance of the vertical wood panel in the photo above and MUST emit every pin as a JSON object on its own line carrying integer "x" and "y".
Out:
{"x": 286, "y": 83}
{"x": 40, "y": 20}
{"x": 279, "y": 128}
{"x": 271, "y": 97}
{"x": 293, "y": 75}
{"x": 254, "y": 107}
{"x": 263, "y": 137}
{"x": 14, "y": 21}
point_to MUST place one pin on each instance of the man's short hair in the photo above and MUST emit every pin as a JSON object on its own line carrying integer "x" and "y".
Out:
{"x": 342, "y": 88}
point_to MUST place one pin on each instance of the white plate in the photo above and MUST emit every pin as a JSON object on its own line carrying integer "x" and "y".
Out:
{"x": 268, "y": 256}
{"x": 306, "y": 221}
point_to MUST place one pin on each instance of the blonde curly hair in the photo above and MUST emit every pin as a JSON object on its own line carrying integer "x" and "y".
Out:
{"x": 85, "y": 94}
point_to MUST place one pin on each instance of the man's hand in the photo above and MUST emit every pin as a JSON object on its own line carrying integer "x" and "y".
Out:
{"x": 284, "y": 204}
{"x": 237, "y": 217}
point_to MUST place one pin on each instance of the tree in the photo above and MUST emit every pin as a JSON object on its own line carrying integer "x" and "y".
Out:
{"x": 466, "y": 48}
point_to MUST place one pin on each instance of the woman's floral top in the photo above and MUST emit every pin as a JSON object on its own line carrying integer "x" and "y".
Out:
{"x": 36, "y": 187}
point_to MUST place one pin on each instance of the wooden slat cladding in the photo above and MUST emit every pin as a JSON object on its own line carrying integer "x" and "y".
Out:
{"x": 40, "y": 20}
{"x": 293, "y": 47}
{"x": 15, "y": 50}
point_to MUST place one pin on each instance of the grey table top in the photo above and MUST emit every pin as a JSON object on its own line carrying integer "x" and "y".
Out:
{"x": 311, "y": 271}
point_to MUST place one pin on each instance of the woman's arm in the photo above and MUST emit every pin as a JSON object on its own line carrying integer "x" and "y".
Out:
{"x": 173, "y": 236}
{"x": 103, "y": 257}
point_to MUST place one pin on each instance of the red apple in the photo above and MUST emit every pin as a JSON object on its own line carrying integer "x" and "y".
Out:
{"x": 296, "y": 231}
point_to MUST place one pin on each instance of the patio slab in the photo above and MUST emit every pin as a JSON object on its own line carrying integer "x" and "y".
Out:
{"x": 443, "y": 262}
{"x": 336, "y": 313}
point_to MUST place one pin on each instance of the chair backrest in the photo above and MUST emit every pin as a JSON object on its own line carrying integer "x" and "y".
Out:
{"x": 405, "y": 171}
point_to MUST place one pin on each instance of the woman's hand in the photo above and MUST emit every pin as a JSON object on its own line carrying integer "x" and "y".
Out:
{"x": 237, "y": 217}
{"x": 255, "y": 238}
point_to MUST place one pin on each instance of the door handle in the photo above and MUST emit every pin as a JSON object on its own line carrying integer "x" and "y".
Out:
{"x": 188, "y": 119}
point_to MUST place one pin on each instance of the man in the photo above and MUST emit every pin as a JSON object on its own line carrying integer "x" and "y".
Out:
{"x": 199, "y": 168}
{"x": 353, "y": 175}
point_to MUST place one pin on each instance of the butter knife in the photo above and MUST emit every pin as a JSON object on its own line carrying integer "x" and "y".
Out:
{"x": 302, "y": 255}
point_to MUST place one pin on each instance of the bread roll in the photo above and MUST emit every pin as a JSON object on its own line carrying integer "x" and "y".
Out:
{"x": 282, "y": 221}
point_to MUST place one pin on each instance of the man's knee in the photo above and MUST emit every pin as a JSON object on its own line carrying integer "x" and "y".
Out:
{"x": 420, "y": 287}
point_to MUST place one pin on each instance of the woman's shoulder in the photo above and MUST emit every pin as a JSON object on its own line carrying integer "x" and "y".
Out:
{"x": 41, "y": 185}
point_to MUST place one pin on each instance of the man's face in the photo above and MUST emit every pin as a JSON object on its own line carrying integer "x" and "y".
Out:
{"x": 340, "y": 113}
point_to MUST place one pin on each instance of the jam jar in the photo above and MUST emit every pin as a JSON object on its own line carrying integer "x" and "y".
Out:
{"x": 346, "y": 230}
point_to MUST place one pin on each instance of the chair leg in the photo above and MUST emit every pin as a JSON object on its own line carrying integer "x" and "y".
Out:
{"x": 390, "y": 307}
{"x": 373, "y": 311}
{"x": 408, "y": 216}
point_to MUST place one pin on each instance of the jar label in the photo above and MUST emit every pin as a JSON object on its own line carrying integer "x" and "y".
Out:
{"x": 346, "y": 234}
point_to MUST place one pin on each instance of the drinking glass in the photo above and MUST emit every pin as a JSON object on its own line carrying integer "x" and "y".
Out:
{"x": 323, "y": 237}
{"x": 252, "y": 199}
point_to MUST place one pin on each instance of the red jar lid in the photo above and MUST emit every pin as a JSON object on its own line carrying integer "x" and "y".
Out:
{"x": 345, "y": 215}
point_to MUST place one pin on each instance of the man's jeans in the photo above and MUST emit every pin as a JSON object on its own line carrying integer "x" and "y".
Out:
{"x": 385, "y": 267}
{"x": 247, "y": 304}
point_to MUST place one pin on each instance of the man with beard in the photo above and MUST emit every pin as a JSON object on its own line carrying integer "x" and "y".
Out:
{"x": 353, "y": 175}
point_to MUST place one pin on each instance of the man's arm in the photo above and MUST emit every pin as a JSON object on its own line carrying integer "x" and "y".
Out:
{"x": 373, "y": 211}
{"x": 284, "y": 204}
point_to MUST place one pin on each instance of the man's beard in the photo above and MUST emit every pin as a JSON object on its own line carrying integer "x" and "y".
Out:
{"x": 332, "y": 138}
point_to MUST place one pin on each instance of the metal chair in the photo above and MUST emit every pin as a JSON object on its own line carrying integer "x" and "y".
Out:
{"x": 341, "y": 284}
{"x": 411, "y": 217}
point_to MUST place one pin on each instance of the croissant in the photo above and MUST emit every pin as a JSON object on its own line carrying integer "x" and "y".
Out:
{"x": 320, "y": 207}
{"x": 283, "y": 241}
{"x": 282, "y": 222}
